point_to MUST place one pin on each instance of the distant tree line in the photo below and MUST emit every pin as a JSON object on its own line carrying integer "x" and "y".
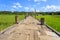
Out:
{"x": 12, "y": 13}
{"x": 30, "y": 13}
{"x": 50, "y": 13}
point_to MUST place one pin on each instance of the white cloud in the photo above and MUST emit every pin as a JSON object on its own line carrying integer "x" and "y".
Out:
{"x": 14, "y": 6}
{"x": 31, "y": 9}
{"x": 36, "y": 0}
{"x": 12, "y": 9}
{"x": 20, "y": 6}
{"x": 40, "y": 0}
{"x": 26, "y": 8}
{"x": 37, "y": 10}
{"x": 44, "y": 0}
{"x": 51, "y": 8}
{"x": 17, "y": 5}
{"x": 34, "y": 5}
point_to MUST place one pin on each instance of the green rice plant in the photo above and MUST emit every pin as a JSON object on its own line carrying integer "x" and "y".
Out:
{"x": 8, "y": 20}
{"x": 52, "y": 20}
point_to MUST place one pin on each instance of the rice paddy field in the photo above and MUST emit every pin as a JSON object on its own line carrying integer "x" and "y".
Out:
{"x": 51, "y": 20}
{"x": 8, "y": 20}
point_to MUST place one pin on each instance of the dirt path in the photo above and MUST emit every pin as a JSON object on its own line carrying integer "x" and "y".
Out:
{"x": 28, "y": 29}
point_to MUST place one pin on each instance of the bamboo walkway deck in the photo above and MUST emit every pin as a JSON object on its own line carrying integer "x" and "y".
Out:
{"x": 28, "y": 29}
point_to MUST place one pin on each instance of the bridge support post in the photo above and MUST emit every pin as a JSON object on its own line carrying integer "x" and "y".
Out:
{"x": 16, "y": 19}
{"x": 42, "y": 21}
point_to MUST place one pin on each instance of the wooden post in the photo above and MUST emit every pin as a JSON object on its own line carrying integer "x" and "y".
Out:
{"x": 25, "y": 16}
{"x": 16, "y": 19}
{"x": 42, "y": 21}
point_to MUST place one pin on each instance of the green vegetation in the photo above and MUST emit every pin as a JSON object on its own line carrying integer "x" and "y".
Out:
{"x": 8, "y": 20}
{"x": 52, "y": 20}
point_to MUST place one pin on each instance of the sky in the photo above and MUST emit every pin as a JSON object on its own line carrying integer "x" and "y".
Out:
{"x": 30, "y": 5}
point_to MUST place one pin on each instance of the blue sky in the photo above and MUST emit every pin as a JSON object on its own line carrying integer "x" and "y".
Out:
{"x": 30, "y": 5}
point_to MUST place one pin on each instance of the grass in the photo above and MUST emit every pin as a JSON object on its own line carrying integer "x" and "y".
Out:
{"x": 52, "y": 20}
{"x": 8, "y": 20}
